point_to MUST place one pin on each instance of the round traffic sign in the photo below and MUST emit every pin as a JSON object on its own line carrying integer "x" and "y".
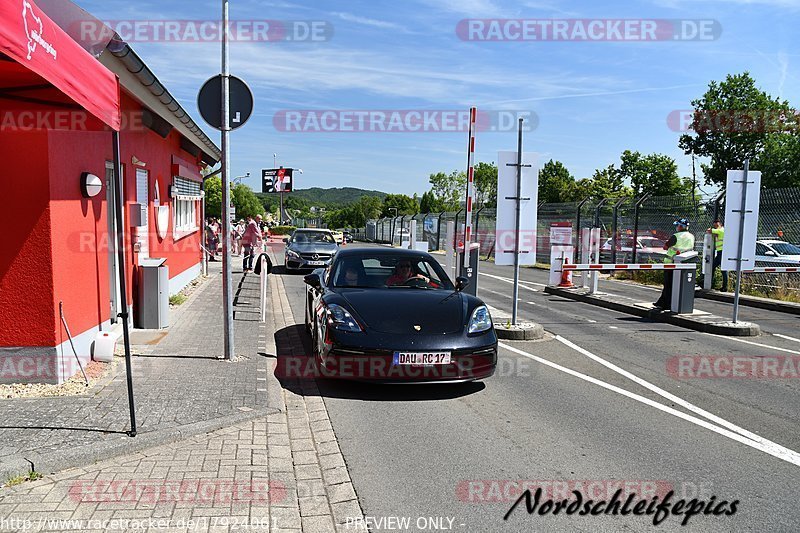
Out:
{"x": 209, "y": 101}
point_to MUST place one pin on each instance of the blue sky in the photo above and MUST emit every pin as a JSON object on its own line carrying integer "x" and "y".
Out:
{"x": 592, "y": 99}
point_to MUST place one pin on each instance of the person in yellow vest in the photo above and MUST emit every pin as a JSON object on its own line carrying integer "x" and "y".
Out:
{"x": 681, "y": 241}
{"x": 718, "y": 231}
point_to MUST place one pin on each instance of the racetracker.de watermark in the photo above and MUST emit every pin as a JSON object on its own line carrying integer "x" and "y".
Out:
{"x": 399, "y": 121}
{"x": 24, "y": 120}
{"x": 733, "y": 121}
{"x": 203, "y": 31}
{"x": 734, "y": 367}
{"x": 588, "y": 30}
{"x": 158, "y": 491}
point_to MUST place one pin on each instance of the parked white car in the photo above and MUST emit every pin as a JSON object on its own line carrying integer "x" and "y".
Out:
{"x": 771, "y": 252}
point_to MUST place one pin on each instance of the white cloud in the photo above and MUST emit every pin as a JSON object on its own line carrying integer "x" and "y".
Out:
{"x": 472, "y": 8}
{"x": 349, "y": 17}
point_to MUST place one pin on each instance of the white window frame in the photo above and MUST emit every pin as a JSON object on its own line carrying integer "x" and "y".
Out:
{"x": 184, "y": 216}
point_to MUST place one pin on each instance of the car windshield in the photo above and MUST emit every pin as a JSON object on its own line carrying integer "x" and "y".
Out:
{"x": 784, "y": 248}
{"x": 390, "y": 271}
{"x": 312, "y": 236}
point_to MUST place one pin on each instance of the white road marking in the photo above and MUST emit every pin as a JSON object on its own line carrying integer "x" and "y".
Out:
{"x": 737, "y": 339}
{"x": 787, "y": 337}
{"x": 506, "y": 280}
{"x": 772, "y": 449}
{"x": 592, "y": 321}
{"x": 613, "y": 327}
{"x": 680, "y": 401}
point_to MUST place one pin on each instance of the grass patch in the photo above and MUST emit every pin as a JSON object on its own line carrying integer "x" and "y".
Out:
{"x": 33, "y": 476}
{"x": 177, "y": 299}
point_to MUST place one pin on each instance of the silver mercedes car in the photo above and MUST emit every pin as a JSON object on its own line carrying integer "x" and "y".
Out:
{"x": 309, "y": 248}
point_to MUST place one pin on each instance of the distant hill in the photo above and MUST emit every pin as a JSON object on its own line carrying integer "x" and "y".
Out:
{"x": 336, "y": 196}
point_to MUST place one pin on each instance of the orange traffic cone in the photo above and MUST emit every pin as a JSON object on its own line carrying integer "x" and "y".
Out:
{"x": 566, "y": 282}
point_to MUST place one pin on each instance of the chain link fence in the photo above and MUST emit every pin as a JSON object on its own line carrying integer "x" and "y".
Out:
{"x": 631, "y": 229}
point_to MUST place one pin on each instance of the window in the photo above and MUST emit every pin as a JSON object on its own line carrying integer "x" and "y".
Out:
{"x": 761, "y": 249}
{"x": 184, "y": 207}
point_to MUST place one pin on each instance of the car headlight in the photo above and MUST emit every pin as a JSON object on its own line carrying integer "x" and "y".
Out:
{"x": 292, "y": 253}
{"x": 341, "y": 319}
{"x": 481, "y": 320}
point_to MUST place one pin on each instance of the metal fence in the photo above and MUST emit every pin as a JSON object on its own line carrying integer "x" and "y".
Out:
{"x": 647, "y": 220}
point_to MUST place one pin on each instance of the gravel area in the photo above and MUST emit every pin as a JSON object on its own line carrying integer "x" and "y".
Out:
{"x": 96, "y": 372}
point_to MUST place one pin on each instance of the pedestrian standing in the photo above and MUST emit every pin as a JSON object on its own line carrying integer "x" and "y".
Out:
{"x": 681, "y": 241}
{"x": 211, "y": 244}
{"x": 718, "y": 233}
{"x": 250, "y": 241}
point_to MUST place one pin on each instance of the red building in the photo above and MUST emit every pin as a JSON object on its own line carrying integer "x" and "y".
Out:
{"x": 59, "y": 106}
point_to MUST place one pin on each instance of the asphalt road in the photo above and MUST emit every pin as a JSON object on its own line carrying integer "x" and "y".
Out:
{"x": 593, "y": 407}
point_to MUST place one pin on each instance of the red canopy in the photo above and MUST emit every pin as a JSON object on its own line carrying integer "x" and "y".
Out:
{"x": 29, "y": 38}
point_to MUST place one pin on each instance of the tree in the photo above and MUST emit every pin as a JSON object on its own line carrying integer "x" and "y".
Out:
{"x": 556, "y": 184}
{"x": 779, "y": 162}
{"x": 485, "y": 180}
{"x": 404, "y": 204}
{"x": 246, "y": 202}
{"x": 734, "y": 121}
{"x": 429, "y": 203}
{"x": 449, "y": 189}
{"x": 656, "y": 174}
{"x": 213, "y": 199}
{"x": 604, "y": 183}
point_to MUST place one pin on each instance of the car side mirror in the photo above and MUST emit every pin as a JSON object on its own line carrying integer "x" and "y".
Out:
{"x": 461, "y": 283}
{"x": 770, "y": 253}
{"x": 286, "y": 239}
{"x": 313, "y": 280}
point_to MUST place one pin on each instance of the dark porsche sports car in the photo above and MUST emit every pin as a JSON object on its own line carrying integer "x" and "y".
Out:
{"x": 394, "y": 315}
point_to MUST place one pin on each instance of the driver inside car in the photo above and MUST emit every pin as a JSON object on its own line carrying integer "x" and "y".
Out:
{"x": 402, "y": 273}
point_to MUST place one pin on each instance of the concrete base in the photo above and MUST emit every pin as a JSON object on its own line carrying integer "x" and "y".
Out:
{"x": 698, "y": 321}
{"x": 522, "y": 331}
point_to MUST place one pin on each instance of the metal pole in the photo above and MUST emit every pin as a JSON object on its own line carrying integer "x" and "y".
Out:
{"x": 578, "y": 222}
{"x": 636, "y": 207}
{"x": 123, "y": 291}
{"x": 518, "y": 202}
{"x": 614, "y": 230}
{"x": 742, "y": 214}
{"x": 226, "y": 192}
{"x": 463, "y": 260}
{"x": 439, "y": 230}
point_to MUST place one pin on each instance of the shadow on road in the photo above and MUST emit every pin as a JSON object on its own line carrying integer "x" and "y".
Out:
{"x": 298, "y": 373}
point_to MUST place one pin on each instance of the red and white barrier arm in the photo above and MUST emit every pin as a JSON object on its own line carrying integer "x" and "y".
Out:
{"x": 631, "y": 266}
{"x": 761, "y": 270}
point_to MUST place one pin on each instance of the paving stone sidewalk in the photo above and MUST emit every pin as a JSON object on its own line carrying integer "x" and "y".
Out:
{"x": 181, "y": 380}
{"x": 280, "y": 472}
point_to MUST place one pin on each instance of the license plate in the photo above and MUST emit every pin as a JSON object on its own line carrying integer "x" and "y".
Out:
{"x": 316, "y": 263}
{"x": 421, "y": 358}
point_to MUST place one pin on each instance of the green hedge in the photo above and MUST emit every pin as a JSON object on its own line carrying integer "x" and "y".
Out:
{"x": 281, "y": 230}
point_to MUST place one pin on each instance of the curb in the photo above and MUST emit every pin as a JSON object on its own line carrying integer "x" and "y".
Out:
{"x": 705, "y": 323}
{"x": 19, "y": 465}
{"x": 751, "y": 301}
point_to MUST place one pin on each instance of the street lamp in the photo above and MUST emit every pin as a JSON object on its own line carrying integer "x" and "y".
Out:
{"x": 240, "y": 178}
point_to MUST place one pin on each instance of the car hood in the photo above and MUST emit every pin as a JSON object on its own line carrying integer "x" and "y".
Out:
{"x": 313, "y": 247}
{"x": 398, "y": 310}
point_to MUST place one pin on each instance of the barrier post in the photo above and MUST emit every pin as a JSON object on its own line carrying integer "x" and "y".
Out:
{"x": 708, "y": 261}
{"x": 263, "y": 282}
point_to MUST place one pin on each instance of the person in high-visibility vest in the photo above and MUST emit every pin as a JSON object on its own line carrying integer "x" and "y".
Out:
{"x": 681, "y": 241}
{"x": 718, "y": 232}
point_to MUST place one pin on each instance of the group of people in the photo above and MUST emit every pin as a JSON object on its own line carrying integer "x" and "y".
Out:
{"x": 247, "y": 236}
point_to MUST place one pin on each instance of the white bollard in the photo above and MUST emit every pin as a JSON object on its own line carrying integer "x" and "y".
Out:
{"x": 594, "y": 255}
{"x": 263, "y": 281}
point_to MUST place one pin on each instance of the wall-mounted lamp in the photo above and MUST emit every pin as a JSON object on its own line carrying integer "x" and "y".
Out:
{"x": 91, "y": 185}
